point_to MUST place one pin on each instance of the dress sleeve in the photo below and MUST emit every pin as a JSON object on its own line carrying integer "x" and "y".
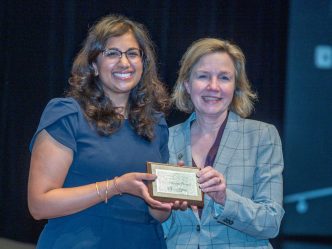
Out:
{"x": 60, "y": 120}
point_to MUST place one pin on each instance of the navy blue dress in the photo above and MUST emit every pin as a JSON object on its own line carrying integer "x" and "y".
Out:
{"x": 124, "y": 222}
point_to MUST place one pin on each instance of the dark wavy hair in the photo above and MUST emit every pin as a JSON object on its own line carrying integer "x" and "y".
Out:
{"x": 145, "y": 100}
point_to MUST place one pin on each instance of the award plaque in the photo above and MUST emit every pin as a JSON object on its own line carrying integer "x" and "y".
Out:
{"x": 175, "y": 183}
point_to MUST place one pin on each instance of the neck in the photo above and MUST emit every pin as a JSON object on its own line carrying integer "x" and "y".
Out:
{"x": 123, "y": 111}
{"x": 118, "y": 99}
{"x": 208, "y": 124}
{"x": 120, "y": 102}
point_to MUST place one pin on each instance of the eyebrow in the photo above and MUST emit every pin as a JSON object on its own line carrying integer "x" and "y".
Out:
{"x": 120, "y": 50}
{"x": 204, "y": 71}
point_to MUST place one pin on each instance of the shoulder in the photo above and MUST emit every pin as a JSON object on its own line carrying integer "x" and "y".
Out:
{"x": 176, "y": 128}
{"x": 59, "y": 108}
{"x": 177, "y": 131}
{"x": 254, "y": 128}
{"x": 260, "y": 127}
{"x": 182, "y": 128}
{"x": 61, "y": 119}
{"x": 247, "y": 125}
{"x": 179, "y": 135}
{"x": 63, "y": 105}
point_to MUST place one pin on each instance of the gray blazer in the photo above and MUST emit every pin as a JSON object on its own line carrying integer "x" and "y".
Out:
{"x": 250, "y": 157}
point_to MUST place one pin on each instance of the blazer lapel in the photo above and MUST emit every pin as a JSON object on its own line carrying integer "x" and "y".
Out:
{"x": 228, "y": 144}
{"x": 187, "y": 157}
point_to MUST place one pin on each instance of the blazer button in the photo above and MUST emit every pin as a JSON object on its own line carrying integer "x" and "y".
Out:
{"x": 228, "y": 221}
{"x": 198, "y": 228}
{"x": 180, "y": 156}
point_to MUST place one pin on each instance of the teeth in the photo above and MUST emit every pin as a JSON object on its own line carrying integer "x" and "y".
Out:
{"x": 122, "y": 75}
{"x": 211, "y": 98}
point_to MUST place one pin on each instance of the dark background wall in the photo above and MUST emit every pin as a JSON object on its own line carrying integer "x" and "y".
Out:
{"x": 307, "y": 123}
{"x": 39, "y": 40}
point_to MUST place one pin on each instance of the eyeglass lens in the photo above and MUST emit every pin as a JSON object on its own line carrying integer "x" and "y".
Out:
{"x": 131, "y": 54}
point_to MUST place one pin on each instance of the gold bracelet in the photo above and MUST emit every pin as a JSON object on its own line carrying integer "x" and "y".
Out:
{"x": 116, "y": 186}
{"x": 106, "y": 192}
{"x": 98, "y": 193}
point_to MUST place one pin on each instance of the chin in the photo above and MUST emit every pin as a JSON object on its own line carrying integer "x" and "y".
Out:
{"x": 214, "y": 112}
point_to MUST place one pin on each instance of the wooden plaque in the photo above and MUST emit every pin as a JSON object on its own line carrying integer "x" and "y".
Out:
{"x": 175, "y": 183}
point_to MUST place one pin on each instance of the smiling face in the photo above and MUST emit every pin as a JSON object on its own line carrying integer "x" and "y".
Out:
{"x": 211, "y": 84}
{"x": 119, "y": 77}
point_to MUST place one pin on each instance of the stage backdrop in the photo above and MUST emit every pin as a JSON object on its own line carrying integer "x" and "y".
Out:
{"x": 39, "y": 40}
{"x": 308, "y": 122}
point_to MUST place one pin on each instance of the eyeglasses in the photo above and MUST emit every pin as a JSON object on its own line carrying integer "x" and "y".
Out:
{"x": 132, "y": 54}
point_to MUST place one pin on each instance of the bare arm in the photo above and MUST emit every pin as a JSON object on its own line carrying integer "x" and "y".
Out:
{"x": 50, "y": 162}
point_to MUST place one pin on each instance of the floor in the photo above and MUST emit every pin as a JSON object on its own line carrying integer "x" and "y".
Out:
{"x": 11, "y": 244}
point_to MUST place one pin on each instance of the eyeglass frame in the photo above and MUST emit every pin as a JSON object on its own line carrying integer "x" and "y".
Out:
{"x": 141, "y": 53}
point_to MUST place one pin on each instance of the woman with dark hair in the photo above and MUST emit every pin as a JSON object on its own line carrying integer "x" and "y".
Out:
{"x": 90, "y": 149}
{"x": 240, "y": 159}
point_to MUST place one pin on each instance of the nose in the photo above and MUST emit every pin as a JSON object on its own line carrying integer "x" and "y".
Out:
{"x": 123, "y": 61}
{"x": 213, "y": 84}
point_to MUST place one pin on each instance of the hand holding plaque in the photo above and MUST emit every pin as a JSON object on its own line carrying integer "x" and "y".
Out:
{"x": 175, "y": 183}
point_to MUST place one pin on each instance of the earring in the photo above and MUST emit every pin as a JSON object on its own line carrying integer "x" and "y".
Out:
{"x": 93, "y": 70}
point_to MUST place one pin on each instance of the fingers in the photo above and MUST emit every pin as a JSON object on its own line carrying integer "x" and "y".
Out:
{"x": 180, "y": 205}
{"x": 164, "y": 206}
{"x": 214, "y": 188}
{"x": 157, "y": 204}
{"x": 183, "y": 206}
{"x": 149, "y": 200}
{"x": 194, "y": 208}
{"x": 180, "y": 163}
{"x": 145, "y": 176}
{"x": 207, "y": 172}
{"x": 213, "y": 184}
{"x": 133, "y": 183}
{"x": 211, "y": 180}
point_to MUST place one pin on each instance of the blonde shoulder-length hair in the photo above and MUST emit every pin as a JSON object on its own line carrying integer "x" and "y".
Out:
{"x": 244, "y": 97}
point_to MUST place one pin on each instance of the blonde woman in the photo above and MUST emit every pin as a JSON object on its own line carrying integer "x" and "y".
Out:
{"x": 240, "y": 159}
